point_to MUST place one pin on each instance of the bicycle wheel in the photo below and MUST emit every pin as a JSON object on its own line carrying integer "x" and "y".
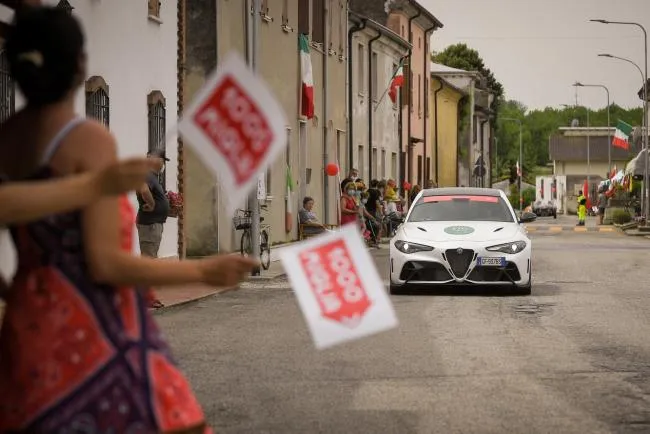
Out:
{"x": 246, "y": 245}
{"x": 265, "y": 250}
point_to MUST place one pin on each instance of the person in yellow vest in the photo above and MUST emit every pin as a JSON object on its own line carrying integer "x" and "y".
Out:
{"x": 582, "y": 209}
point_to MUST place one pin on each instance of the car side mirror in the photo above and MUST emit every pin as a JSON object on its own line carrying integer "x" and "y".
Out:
{"x": 527, "y": 217}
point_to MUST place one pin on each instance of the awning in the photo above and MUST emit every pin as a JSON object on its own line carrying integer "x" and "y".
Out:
{"x": 636, "y": 166}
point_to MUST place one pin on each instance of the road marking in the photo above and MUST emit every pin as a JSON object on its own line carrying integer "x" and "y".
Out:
{"x": 531, "y": 229}
{"x": 556, "y": 229}
{"x": 580, "y": 229}
{"x": 606, "y": 230}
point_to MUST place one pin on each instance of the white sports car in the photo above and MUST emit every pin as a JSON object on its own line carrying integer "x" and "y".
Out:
{"x": 461, "y": 236}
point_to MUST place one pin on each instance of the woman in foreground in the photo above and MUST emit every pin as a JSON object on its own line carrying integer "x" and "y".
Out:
{"x": 79, "y": 351}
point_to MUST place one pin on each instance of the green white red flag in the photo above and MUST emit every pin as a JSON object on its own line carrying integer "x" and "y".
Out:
{"x": 396, "y": 82}
{"x": 307, "y": 104}
{"x": 622, "y": 135}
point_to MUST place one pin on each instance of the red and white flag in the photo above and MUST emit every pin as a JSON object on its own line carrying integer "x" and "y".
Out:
{"x": 396, "y": 82}
{"x": 236, "y": 126}
{"x": 338, "y": 287}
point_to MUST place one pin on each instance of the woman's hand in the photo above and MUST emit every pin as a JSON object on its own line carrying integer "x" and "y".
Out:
{"x": 123, "y": 176}
{"x": 225, "y": 270}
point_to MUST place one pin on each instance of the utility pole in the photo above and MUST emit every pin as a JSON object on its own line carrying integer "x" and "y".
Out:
{"x": 253, "y": 8}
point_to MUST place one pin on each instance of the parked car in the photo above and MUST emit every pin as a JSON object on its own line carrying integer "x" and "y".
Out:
{"x": 545, "y": 209}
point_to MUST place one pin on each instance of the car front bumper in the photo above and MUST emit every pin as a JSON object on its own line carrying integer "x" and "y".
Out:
{"x": 446, "y": 266}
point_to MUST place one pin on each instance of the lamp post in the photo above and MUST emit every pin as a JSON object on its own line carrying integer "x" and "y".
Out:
{"x": 521, "y": 159}
{"x": 645, "y": 103}
{"x": 609, "y": 132}
{"x": 588, "y": 192}
{"x": 644, "y": 130}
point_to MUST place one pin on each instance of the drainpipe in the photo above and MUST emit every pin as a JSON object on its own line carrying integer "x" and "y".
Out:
{"x": 326, "y": 47}
{"x": 370, "y": 108}
{"x": 354, "y": 29}
{"x": 435, "y": 123}
{"x": 409, "y": 152}
{"x": 426, "y": 61}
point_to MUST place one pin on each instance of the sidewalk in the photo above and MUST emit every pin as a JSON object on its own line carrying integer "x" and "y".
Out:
{"x": 174, "y": 296}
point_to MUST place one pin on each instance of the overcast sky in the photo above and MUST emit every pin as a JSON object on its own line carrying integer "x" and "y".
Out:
{"x": 538, "y": 49}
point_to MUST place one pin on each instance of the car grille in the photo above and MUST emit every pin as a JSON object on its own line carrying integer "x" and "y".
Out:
{"x": 421, "y": 271}
{"x": 491, "y": 274}
{"x": 459, "y": 260}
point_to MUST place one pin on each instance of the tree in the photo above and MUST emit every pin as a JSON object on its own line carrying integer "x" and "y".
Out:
{"x": 460, "y": 56}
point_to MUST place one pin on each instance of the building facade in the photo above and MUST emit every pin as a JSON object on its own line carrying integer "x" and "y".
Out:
{"x": 445, "y": 123}
{"x": 131, "y": 85}
{"x": 412, "y": 22}
{"x": 312, "y": 143}
{"x": 378, "y": 52}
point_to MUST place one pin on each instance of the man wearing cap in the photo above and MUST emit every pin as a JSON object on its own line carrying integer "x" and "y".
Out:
{"x": 153, "y": 209}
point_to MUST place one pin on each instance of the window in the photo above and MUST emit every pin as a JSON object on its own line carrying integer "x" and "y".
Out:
{"x": 341, "y": 157}
{"x": 393, "y": 165}
{"x": 264, "y": 10}
{"x": 403, "y": 90}
{"x": 375, "y": 162}
{"x": 285, "y": 16}
{"x": 402, "y": 33}
{"x": 154, "y": 8}
{"x": 97, "y": 100}
{"x": 419, "y": 42}
{"x": 419, "y": 181}
{"x": 157, "y": 126}
{"x": 360, "y": 69}
{"x": 412, "y": 89}
{"x": 383, "y": 163}
{"x": 330, "y": 23}
{"x": 402, "y": 170}
{"x": 420, "y": 95}
{"x": 461, "y": 208}
{"x": 304, "y": 15}
{"x": 360, "y": 165}
{"x": 427, "y": 170}
{"x": 475, "y": 133}
{"x": 375, "y": 79}
{"x": 343, "y": 20}
{"x": 7, "y": 89}
{"x": 318, "y": 21}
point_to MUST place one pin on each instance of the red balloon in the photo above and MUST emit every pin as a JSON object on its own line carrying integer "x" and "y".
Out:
{"x": 332, "y": 169}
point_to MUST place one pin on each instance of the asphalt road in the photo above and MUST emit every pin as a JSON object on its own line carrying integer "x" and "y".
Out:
{"x": 572, "y": 358}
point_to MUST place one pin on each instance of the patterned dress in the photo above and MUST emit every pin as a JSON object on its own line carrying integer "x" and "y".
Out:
{"x": 80, "y": 357}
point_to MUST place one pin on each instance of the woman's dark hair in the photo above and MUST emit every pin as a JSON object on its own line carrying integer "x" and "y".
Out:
{"x": 306, "y": 199}
{"x": 44, "y": 47}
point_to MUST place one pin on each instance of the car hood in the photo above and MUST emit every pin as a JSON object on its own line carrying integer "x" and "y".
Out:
{"x": 461, "y": 231}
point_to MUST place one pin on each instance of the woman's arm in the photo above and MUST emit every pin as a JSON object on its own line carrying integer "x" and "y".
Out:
{"x": 27, "y": 201}
{"x": 110, "y": 264}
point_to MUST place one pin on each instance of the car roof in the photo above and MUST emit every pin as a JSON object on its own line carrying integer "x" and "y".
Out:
{"x": 470, "y": 191}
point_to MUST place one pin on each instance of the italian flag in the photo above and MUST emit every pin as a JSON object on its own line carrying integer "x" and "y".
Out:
{"x": 622, "y": 135}
{"x": 396, "y": 82}
{"x": 307, "y": 78}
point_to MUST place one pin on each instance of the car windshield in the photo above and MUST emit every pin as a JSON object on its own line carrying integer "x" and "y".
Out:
{"x": 461, "y": 208}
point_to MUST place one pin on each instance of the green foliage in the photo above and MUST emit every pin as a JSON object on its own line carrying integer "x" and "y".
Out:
{"x": 538, "y": 126}
{"x": 528, "y": 196}
{"x": 460, "y": 56}
{"x": 620, "y": 217}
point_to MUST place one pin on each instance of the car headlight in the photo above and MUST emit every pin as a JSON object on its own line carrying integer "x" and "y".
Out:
{"x": 511, "y": 248}
{"x": 406, "y": 247}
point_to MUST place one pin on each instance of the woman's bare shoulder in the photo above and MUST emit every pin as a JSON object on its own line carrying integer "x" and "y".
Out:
{"x": 92, "y": 144}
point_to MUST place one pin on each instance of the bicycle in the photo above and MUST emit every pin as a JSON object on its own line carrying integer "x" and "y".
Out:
{"x": 243, "y": 222}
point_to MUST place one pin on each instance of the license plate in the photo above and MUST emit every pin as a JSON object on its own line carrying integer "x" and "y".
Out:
{"x": 492, "y": 262}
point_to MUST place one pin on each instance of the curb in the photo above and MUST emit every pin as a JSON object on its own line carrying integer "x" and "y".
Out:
{"x": 175, "y": 306}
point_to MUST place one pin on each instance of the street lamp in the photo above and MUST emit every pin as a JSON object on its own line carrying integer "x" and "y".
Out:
{"x": 521, "y": 159}
{"x": 644, "y": 130}
{"x": 645, "y": 103}
{"x": 609, "y": 132}
{"x": 588, "y": 192}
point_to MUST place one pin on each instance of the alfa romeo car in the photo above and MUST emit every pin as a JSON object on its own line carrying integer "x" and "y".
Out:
{"x": 461, "y": 236}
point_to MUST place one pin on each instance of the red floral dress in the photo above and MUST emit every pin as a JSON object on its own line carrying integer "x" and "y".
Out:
{"x": 77, "y": 356}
